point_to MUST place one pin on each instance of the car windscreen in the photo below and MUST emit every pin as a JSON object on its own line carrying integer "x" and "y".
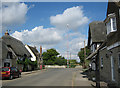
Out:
{"x": 5, "y": 69}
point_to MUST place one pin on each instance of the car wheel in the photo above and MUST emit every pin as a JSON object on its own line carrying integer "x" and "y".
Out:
{"x": 11, "y": 77}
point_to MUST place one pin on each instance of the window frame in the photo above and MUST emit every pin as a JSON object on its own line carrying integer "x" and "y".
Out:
{"x": 101, "y": 62}
{"x": 110, "y": 23}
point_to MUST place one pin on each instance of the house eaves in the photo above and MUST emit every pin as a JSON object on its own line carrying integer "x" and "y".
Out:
{"x": 33, "y": 58}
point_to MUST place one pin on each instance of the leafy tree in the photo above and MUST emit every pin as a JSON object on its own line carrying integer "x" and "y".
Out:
{"x": 81, "y": 54}
{"x": 60, "y": 61}
{"x": 50, "y": 56}
{"x": 49, "y": 62}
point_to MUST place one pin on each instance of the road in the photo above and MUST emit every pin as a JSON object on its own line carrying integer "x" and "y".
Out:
{"x": 51, "y": 77}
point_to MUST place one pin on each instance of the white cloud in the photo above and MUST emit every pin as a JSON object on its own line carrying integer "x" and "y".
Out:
{"x": 38, "y": 36}
{"x": 13, "y": 13}
{"x": 56, "y": 38}
{"x": 73, "y": 16}
{"x": 76, "y": 41}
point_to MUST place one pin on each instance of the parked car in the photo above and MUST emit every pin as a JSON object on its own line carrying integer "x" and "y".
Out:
{"x": 10, "y": 72}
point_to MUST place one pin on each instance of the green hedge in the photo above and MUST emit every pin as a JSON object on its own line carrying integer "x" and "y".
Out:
{"x": 72, "y": 66}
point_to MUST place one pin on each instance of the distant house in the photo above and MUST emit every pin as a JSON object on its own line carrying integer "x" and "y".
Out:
{"x": 15, "y": 49}
{"x": 96, "y": 36}
{"x": 35, "y": 55}
{"x": 109, "y": 54}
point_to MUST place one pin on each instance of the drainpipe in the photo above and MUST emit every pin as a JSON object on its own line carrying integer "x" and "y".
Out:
{"x": 97, "y": 73}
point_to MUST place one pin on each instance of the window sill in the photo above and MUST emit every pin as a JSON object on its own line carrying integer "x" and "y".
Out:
{"x": 111, "y": 32}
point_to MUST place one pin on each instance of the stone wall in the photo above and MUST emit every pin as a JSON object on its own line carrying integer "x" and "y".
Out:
{"x": 105, "y": 71}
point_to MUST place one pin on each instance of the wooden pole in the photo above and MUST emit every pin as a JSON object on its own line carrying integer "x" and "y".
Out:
{"x": 97, "y": 73}
{"x": 84, "y": 55}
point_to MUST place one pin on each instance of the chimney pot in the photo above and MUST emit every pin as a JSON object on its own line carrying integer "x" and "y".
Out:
{"x": 6, "y": 33}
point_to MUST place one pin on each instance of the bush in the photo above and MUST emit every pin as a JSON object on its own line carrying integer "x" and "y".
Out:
{"x": 26, "y": 63}
{"x": 72, "y": 66}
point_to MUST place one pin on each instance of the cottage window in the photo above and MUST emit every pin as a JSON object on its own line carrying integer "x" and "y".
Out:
{"x": 93, "y": 66}
{"x": 101, "y": 62}
{"x": 9, "y": 55}
{"x": 114, "y": 23}
{"x": 92, "y": 48}
{"x": 98, "y": 45}
{"x": 111, "y": 24}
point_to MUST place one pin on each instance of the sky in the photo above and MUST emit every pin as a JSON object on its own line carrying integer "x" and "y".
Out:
{"x": 60, "y": 25}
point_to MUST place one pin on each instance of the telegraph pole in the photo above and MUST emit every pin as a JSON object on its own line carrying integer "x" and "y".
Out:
{"x": 84, "y": 55}
{"x": 70, "y": 59}
{"x": 67, "y": 48}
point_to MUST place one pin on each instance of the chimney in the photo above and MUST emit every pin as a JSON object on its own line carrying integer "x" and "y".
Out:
{"x": 40, "y": 51}
{"x": 6, "y": 33}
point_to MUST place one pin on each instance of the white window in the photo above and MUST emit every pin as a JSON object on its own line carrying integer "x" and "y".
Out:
{"x": 98, "y": 45}
{"x": 111, "y": 24}
{"x": 101, "y": 62}
{"x": 93, "y": 47}
{"x": 119, "y": 60}
{"x": 93, "y": 66}
{"x": 90, "y": 41}
{"x": 114, "y": 27}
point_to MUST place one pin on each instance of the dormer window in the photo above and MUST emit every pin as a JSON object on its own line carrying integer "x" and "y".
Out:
{"x": 111, "y": 23}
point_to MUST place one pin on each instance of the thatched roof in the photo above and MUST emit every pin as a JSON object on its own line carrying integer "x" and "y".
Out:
{"x": 17, "y": 46}
{"x": 97, "y": 32}
{"x": 3, "y": 49}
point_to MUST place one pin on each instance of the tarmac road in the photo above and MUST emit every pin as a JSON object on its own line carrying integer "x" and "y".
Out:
{"x": 51, "y": 77}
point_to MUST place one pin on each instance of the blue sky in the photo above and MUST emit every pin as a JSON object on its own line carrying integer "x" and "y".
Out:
{"x": 41, "y": 12}
{"x": 41, "y": 17}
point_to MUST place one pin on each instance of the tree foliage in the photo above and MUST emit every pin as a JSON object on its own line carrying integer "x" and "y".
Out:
{"x": 81, "y": 54}
{"x": 72, "y": 63}
{"x": 60, "y": 61}
{"x": 50, "y": 57}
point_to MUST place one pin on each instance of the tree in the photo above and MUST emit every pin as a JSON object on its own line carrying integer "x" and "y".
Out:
{"x": 81, "y": 54}
{"x": 60, "y": 61}
{"x": 50, "y": 56}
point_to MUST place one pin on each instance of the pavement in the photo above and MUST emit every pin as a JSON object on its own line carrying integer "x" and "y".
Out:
{"x": 81, "y": 79}
{"x": 30, "y": 72}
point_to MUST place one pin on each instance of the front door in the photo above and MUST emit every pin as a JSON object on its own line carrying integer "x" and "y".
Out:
{"x": 112, "y": 69}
